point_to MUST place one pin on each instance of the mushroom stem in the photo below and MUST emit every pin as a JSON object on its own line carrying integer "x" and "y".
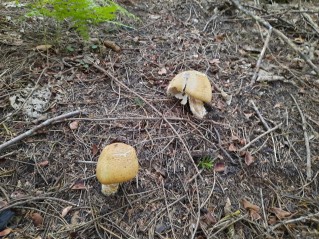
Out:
{"x": 109, "y": 189}
{"x": 197, "y": 107}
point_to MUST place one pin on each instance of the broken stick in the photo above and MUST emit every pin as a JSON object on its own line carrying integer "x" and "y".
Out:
{"x": 260, "y": 136}
{"x": 34, "y": 129}
{"x": 304, "y": 128}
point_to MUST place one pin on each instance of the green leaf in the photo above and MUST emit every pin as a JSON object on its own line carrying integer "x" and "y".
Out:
{"x": 138, "y": 102}
{"x": 70, "y": 48}
{"x": 94, "y": 47}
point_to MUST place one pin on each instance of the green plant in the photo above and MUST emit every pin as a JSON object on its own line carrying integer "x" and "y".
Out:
{"x": 138, "y": 102}
{"x": 206, "y": 162}
{"x": 81, "y": 13}
{"x": 70, "y": 48}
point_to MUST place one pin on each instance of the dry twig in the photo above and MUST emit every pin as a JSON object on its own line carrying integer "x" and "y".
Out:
{"x": 260, "y": 136}
{"x": 304, "y": 128}
{"x": 278, "y": 33}
{"x": 33, "y": 130}
{"x": 303, "y": 218}
{"x": 261, "y": 56}
{"x": 266, "y": 127}
{"x": 32, "y": 199}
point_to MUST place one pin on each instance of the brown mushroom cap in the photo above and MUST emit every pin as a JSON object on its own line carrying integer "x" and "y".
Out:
{"x": 117, "y": 163}
{"x": 193, "y": 83}
{"x": 195, "y": 86}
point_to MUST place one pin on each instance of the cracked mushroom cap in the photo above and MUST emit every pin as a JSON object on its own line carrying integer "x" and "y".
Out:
{"x": 117, "y": 163}
{"x": 195, "y": 86}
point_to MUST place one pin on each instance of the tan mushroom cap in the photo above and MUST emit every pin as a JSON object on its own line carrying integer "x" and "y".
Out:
{"x": 117, "y": 163}
{"x": 195, "y": 86}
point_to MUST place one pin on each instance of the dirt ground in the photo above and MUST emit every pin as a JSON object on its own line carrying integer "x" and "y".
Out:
{"x": 249, "y": 169}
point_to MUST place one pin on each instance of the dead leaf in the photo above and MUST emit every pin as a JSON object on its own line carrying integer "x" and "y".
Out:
{"x": 234, "y": 138}
{"x": 248, "y": 205}
{"x": 301, "y": 91}
{"x": 242, "y": 142}
{"x": 252, "y": 209}
{"x": 248, "y": 115}
{"x": 278, "y": 105}
{"x": 65, "y": 211}
{"x": 254, "y": 215}
{"x": 37, "y": 219}
{"x": 219, "y": 167}
{"x": 220, "y": 105}
{"x": 79, "y": 186}
{"x": 272, "y": 220}
{"x": 220, "y": 37}
{"x": 43, "y": 163}
{"x": 214, "y": 61}
{"x": 43, "y": 47}
{"x": 74, "y": 124}
{"x": 209, "y": 218}
{"x": 162, "y": 71}
{"x": 249, "y": 159}
{"x": 75, "y": 219}
{"x": 3, "y": 203}
{"x": 299, "y": 40}
{"x": 232, "y": 148}
{"x": 112, "y": 45}
{"x": 242, "y": 52}
{"x": 280, "y": 213}
{"x": 95, "y": 149}
{"x": 160, "y": 172}
{"x": 5, "y": 232}
{"x": 270, "y": 57}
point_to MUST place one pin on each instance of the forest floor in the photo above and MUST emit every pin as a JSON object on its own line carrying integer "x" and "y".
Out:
{"x": 249, "y": 169}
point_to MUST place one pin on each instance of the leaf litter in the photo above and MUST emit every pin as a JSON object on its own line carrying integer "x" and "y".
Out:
{"x": 168, "y": 191}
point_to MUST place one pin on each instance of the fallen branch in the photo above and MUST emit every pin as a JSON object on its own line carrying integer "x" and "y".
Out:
{"x": 25, "y": 200}
{"x": 261, "y": 56}
{"x": 33, "y": 130}
{"x": 304, "y": 128}
{"x": 266, "y": 127}
{"x": 299, "y": 219}
{"x": 260, "y": 116}
{"x": 278, "y": 33}
{"x": 260, "y": 136}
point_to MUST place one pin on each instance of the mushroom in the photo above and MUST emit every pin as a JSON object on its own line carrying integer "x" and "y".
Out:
{"x": 193, "y": 86}
{"x": 117, "y": 163}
